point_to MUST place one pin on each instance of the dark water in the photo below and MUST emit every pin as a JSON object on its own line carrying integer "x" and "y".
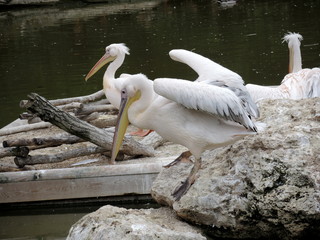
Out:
{"x": 49, "y": 50}
{"x": 52, "y": 220}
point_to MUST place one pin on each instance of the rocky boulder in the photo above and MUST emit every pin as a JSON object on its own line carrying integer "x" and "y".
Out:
{"x": 116, "y": 223}
{"x": 264, "y": 186}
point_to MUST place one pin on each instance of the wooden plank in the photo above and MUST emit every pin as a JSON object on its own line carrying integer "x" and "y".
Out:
{"x": 83, "y": 182}
{"x": 149, "y": 165}
{"x": 76, "y": 188}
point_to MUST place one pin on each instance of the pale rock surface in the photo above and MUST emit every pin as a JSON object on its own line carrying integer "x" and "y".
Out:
{"x": 116, "y": 223}
{"x": 264, "y": 186}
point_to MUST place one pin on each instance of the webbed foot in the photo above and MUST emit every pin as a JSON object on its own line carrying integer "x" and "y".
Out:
{"x": 184, "y": 157}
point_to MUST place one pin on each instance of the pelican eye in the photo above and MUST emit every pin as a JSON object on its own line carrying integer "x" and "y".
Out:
{"x": 123, "y": 92}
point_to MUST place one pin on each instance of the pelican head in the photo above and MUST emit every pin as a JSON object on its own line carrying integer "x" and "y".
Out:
{"x": 113, "y": 51}
{"x": 130, "y": 93}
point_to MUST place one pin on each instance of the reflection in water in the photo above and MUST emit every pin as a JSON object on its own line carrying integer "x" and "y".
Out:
{"x": 49, "y": 50}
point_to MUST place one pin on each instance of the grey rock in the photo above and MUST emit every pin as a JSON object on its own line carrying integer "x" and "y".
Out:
{"x": 116, "y": 223}
{"x": 264, "y": 186}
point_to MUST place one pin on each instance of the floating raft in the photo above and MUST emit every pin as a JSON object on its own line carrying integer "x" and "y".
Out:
{"x": 134, "y": 177}
{"x": 75, "y": 170}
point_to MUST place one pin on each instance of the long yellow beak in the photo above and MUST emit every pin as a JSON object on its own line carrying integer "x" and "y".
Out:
{"x": 122, "y": 122}
{"x": 103, "y": 61}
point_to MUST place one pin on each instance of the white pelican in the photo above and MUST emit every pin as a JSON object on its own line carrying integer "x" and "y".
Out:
{"x": 115, "y": 53}
{"x": 298, "y": 84}
{"x": 196, "y": 115}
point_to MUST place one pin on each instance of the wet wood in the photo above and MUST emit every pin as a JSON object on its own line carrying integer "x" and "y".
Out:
{"x": 103, "y": 138}
{"x": 84, "y": 150}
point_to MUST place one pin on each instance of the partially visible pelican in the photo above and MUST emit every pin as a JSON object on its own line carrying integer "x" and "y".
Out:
{"x": 196, "y": 115}
{"x": 298, "y": 84}
{"x": 115, "y": 53}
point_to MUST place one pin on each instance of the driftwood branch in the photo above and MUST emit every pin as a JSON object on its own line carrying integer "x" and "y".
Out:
{"x": 21, "y": 161}
{"x": 103, "y": 138}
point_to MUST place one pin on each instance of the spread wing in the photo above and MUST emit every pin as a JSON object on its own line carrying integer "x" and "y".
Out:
{"x": 212, "y": 99}
{"x": 205, "y": 67}
{"x": 214, "y": 74}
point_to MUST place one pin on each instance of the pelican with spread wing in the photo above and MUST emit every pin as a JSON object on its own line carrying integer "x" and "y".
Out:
{"x": 197, "y": 115}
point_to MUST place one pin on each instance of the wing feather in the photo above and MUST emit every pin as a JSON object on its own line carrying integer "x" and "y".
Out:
{"x": 204, "y": 97}
{"x": 214, "y": 74}
{"x": 313, "y": 83}
{"x": 205, "y": 67}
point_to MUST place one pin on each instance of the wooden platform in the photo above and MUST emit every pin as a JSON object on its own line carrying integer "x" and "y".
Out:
{"x": 129, "y": 177}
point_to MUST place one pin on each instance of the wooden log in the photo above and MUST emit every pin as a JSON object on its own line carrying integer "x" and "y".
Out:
{"x": 59, "y": 157}
{"x": 65, "y": 104}
{"x": 88, "y": 109}
{"x": 70, "y": 106}
{"x": 41, "y": 142}
{"x": 20, "y": 151}
{"x": 81, "y": 99}
{"x": 90, "y": 117}
{"x": 30, "y": 117}
{"x": 103, "y": 138}
{"x": 102, "y": 101}
{"x": 64, "y": 101}
{"x": 153, "y": 139}
{"x": 105, "y": 121}
{"x": 23, "y": 128}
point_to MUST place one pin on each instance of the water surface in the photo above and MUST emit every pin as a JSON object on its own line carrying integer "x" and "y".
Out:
{"x": 49, "y": 50}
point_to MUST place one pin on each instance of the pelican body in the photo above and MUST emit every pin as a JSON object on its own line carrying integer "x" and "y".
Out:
{"x": 196, "y": 115}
